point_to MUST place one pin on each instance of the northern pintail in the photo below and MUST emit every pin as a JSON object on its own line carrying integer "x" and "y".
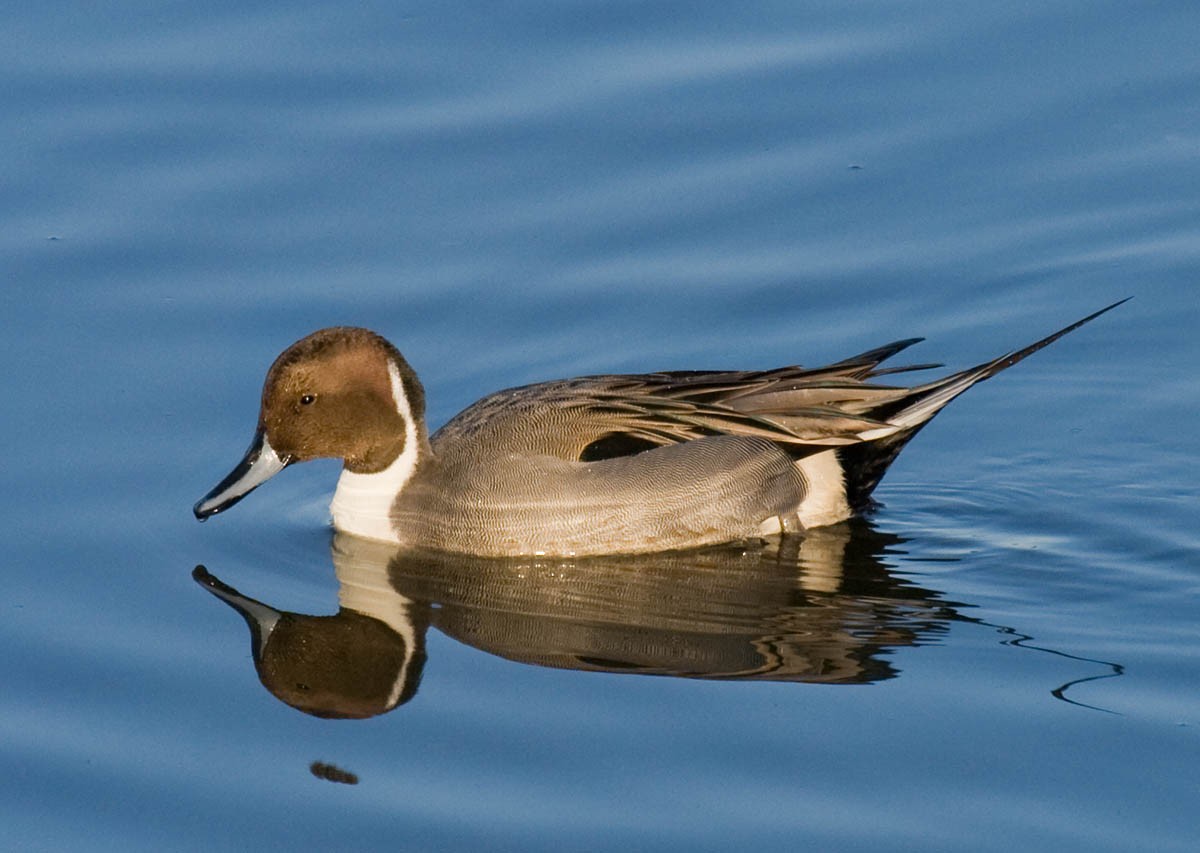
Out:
{"x": 594, "y": 465}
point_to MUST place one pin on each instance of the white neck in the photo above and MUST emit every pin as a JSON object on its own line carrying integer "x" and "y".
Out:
{"x": 362, "y": 503}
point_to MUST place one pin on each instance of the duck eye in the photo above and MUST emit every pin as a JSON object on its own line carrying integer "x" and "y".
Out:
{"x": 307, "y": 399}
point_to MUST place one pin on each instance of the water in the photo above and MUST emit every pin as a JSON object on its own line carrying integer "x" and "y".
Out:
{"x": 1003, "y": 656}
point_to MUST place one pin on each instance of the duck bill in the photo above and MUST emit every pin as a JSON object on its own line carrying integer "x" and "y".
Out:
{"x": 260, "y": 464}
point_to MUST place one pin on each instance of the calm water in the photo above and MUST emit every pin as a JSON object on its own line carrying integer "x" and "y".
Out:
{"x": 1004, "y": 656}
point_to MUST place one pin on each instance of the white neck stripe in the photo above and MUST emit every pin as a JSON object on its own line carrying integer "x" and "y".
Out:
{"x": 362, "y": 503}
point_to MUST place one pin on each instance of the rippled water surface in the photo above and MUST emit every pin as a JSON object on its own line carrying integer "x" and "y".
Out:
{"x": 1003, "y": 656}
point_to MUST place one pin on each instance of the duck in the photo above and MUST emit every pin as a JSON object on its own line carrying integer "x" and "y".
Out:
{"x": 605, "y": 464}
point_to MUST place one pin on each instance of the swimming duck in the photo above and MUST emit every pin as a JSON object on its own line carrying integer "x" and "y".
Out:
{"x": 593, "y": 465}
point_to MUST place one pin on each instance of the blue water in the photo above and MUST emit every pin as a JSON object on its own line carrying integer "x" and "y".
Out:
{"x": 1003, "y": 656}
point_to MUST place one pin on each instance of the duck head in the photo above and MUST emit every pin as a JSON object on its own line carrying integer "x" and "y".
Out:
{"x": 343, "y": 393}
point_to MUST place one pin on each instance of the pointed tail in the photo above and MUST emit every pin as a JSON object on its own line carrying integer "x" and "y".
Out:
{"x": 864, "y": 464}
{"x": 927, "y": 400}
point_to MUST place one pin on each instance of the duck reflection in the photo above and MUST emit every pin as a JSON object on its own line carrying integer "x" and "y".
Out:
{"x": 823, "y": 608}
{"x": 353, "y": 664}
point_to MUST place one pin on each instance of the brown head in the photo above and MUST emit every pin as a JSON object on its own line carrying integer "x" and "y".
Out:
{"x": 343, "y": 393}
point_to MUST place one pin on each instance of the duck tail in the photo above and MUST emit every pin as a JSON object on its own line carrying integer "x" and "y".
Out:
{"x": 864, "y": 464}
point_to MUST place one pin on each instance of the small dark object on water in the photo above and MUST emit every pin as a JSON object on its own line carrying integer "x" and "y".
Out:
{"x": 332, "y": 773}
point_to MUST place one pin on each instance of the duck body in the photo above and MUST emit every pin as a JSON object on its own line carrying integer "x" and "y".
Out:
{"x": 593, "y": 465}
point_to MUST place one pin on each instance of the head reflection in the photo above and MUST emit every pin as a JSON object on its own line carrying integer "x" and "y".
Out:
{"x": 822, "y": 608}
{"x": 348, "y": 665}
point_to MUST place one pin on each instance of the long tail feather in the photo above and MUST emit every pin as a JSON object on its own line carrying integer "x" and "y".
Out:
{"x": 929, "y": 399}
{"x": 864, "y": 464}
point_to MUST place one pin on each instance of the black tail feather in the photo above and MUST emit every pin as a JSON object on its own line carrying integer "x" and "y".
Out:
{"x": 865, "y": 464}
{"x": 991, "y": 368}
